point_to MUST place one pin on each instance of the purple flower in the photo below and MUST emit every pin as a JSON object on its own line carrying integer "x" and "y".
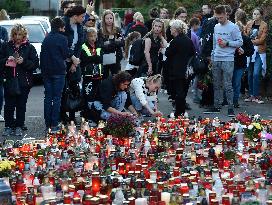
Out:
{"x": 268, "y": 136}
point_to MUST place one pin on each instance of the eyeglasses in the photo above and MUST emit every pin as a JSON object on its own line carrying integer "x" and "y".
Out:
{"x": 92, "y": 20}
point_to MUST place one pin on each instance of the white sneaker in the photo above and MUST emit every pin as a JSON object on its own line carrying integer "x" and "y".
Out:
{"x": 92, "y": 123}
{"x": 257, "y": 100}
{"x": 2, "y": 119}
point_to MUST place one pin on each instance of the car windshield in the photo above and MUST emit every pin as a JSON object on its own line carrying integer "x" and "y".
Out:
{"x": 35, "y": 32}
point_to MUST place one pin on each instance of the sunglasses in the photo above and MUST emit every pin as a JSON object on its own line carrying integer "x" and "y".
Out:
{"x": 92, "y": 20}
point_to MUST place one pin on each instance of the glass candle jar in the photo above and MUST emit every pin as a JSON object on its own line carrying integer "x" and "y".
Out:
{"x": 95, "y": 183}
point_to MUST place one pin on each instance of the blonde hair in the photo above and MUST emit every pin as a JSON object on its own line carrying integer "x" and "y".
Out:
{"x": 155, "y": 79}
{"x": 3, "y": 15}
{"x": 140, "y": 18}
{"x": 179, "y": 25}
{"x": 157, "y": 20}
{"x": 240, "y": 26}
{"x": 133, "y": 36}
{"x": 136, "y": 14}
{"x": 104, "y": 29}
{"x": 18, "y": 28}
{"x": 91, "y": 30}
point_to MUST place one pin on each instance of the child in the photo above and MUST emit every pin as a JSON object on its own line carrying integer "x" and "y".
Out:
{"x": 91, "y": 65}
{"x": 131, "y": 69}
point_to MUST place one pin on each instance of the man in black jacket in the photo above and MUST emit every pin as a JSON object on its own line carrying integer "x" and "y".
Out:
{"x": 54, "y": 52}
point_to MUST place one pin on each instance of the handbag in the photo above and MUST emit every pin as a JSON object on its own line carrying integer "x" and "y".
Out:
{"x": 73, "y": 101}
{"x": 200, "y": 64}
{"x": 109, "y": 58}
{"x": 12, "y": 86}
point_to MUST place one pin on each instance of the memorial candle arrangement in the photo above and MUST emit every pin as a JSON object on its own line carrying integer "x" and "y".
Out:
{"x": 168, "y": 161}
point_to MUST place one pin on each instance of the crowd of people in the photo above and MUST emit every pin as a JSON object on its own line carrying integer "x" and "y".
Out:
{"x": 81, "y": 62}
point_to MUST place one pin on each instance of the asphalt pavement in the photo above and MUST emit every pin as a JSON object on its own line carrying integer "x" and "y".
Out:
{"x": 35, "y": 116}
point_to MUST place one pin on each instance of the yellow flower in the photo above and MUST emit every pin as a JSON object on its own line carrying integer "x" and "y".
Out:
{"x": 257, "y": 125}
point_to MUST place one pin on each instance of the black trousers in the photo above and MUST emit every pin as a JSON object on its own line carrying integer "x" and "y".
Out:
{"x": 113, "y": 69}
{"x": 179, "y": 92}
{"x": 73, "y": 85}
{"x": 17, "y": 102}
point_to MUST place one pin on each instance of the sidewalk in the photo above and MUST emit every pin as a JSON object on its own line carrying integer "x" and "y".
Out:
{"x": 265, "y": 110}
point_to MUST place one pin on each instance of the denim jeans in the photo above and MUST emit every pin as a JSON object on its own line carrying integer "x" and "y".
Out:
{"x": 1, "y": 96}
{"x": 118, "y": 102}
{"x": 254, "y": 71}
{"x": 17, "y": 102}
{"x": 53, "y": 87}
{"x": 139, "y": 107}
{"x": 222, "y": 72}
{"x": 236, "y": 83}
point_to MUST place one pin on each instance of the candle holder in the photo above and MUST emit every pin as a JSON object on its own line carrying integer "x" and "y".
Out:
{"x": 95, "y": 183}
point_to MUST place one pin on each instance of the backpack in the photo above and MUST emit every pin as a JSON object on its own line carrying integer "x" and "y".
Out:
{"x": 136, "y": 54}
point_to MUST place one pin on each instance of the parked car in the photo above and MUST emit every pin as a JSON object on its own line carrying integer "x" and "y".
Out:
{"x": 43, "y": 19}
{"x": 36, "y": 34}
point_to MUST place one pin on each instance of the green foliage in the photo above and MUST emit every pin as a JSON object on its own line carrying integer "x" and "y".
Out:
{"x": 15, "y": 6}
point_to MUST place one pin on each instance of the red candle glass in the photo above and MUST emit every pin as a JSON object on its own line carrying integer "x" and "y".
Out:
{"x": 95, "y": 183}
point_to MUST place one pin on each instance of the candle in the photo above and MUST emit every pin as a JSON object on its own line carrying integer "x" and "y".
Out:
{"x": 21, "y": 165}
{"x": 95, "y": 183}
{"x": 141, "y": 201}
{"x": 153, "y": 176}
{"x": 165, "y": 196}
{"x": 40, "y": 160}
{"x": 121, "y": 167}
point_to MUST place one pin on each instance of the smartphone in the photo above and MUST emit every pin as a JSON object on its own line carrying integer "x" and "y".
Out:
{"x": 16, "y": 55}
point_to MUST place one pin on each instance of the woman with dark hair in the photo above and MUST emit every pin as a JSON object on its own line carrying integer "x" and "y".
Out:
{"x": 180, "y": 50}
{"x": 18, "y": 59}
{"x": 257, "y": 30}
{"x": 74, "y": 33}
{"x": 112, "y": 98}
{"x": 111, "y": 41}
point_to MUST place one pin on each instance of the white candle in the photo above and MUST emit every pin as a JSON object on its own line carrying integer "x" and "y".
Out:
{"x": 165, "y": 196}
{"x": 153, "y": 176}
{"x": 141, "y": 201}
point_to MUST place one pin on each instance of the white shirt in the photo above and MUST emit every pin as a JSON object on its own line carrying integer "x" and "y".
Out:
{"x": 128, "y": 65}
{"x": 75, "y": 39}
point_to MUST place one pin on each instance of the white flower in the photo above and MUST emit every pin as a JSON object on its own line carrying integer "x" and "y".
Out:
{"x": 256, "y": 117}
{"x": 250, "y": 127}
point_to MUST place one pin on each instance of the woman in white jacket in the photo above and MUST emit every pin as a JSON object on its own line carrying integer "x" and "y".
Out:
{"x": 143, "y": 93}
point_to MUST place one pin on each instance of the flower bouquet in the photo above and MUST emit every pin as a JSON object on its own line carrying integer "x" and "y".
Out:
{"x": 253, "y": 131}
{"x": 6, "y": 168}
{"x": 120, "y": 126}
{"x": 243, "y": 118}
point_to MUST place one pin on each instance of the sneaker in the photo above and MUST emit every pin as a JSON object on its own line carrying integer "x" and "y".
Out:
{"x": 18, "y": 131}
{"x": 249, "y": 99}
{"x": 2, "y": 119}
{"x": 212, "y": 110}
{"x": 92, "y": 123}
{"x": 196, "y": 100}
{"x": 257, "y": 100}
{"x": 24, "y": 128}
{"x": 7, "y": 131}
{"x": 187, "y": 107}
{"x": 231, "y": 112}
{"x": 55, "y": 129}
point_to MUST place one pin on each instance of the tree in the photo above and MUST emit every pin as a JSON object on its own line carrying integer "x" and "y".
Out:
{"x": 15, "y": 6}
